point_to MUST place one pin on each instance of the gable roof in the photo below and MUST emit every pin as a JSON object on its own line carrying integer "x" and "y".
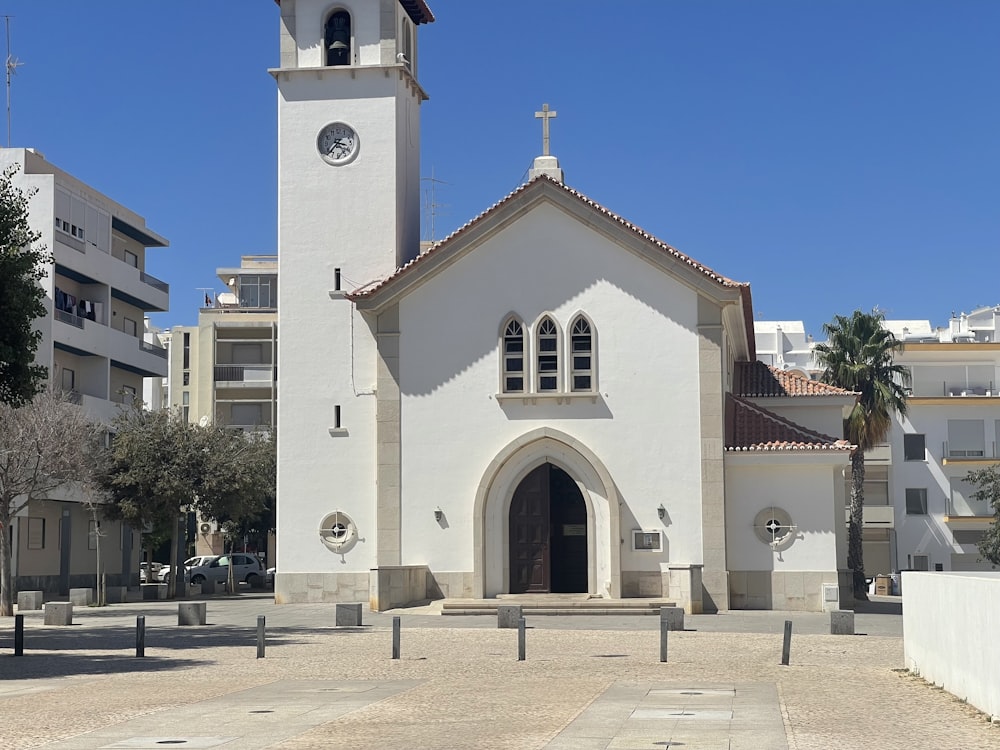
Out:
{"x": 758, "y": 380}
{"x": 542, "y": 187}
{"x": 752, "y": 428}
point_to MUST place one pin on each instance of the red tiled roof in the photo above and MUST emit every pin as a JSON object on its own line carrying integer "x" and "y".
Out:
{"x": 755, "y": 380}
{"x": 751, "y": 428}
{"x": 450, "y": 239}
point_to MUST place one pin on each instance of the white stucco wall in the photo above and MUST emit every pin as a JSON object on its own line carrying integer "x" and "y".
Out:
{"x": 821, "y": 414}
{"x": 803, "y": 486}
{"x": 643, "y": 424}
{"x": 950, "y": 621}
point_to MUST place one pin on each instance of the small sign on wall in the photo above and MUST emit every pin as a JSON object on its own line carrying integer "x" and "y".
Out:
{"x": 574, "y": 529}
{"x": 651, "y": 541}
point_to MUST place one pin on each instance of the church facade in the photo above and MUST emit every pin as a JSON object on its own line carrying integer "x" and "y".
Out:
{"x": 550, "y": 400}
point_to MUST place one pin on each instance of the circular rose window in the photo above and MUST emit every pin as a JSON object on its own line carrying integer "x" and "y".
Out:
{"x": 773, "y": 526}
{"x": 338, "y": 532}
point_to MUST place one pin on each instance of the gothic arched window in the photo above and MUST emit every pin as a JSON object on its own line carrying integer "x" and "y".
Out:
{"x": 581, "y": 355}
{"x": 547, "y": 337}
{"x": 337, "y": 38}
{"x": 513, "y": 357}
{"x": 407, "y": 44}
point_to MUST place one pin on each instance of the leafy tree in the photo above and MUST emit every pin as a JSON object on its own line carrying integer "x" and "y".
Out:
{"x": 859, "y": 357}
{"x": 159, "y": 467}
{"x": 22, "y": 266}
{"x": 45, "y": 444}
{"x": 987, "y": 482}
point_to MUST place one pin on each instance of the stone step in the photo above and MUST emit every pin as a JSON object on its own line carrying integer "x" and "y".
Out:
{"x": 536, "y": 605}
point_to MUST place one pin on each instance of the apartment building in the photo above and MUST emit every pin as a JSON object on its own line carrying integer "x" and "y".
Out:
{"x": 224, "y": 370}
{"x": 919, "y": 510}
{"x": 93, "y": 344}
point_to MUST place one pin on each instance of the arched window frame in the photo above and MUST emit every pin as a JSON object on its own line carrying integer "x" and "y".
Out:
{"x": 547, "y": 342}
{"x": 509, "y": 374}
{"x": 573, "y": 355}
{"x": 406, "y": 34}
{"x": 326, "y": 42}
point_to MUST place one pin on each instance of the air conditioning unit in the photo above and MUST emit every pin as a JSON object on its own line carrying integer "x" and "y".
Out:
{"x": 208, "y": 527}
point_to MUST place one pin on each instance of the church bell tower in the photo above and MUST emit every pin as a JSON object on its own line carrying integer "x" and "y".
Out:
{"x": 348, "y": 215}
{"x": 349, "y": 134}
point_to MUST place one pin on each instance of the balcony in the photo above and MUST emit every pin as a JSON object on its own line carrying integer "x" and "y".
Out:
{"x": 876, "y": 516}
{"x": 154, "y": 282}
{"x": 980, "y": 454}
{"x": 967, "y": 513}
{"x": 246, "y": 375}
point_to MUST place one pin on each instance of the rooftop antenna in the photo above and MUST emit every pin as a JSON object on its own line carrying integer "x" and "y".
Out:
{"x": 12, "y": 65}
{"x": 431, "y": 205}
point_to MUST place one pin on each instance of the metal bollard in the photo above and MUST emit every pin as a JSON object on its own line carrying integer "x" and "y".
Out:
{"x": 395, "y": 637}
{"x": 786, "y": 647}
{"x": 18, "y": 635}
{"x": 520, "y": 639}
{"x": 260, "y": 636}
{"x": 140, "y": 635}
{"x": 663, "y": 640}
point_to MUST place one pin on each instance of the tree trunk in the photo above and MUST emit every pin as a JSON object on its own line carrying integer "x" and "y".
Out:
{"x": 855, "y": 554}
{"x": 174, "y": 569}
{"x": 6, "y": 577}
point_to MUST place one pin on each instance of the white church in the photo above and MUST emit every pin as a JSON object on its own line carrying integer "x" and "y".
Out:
{"x": 549, "y": 401}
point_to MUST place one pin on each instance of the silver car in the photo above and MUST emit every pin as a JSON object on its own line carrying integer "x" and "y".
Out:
{"x": 247, "y": 568}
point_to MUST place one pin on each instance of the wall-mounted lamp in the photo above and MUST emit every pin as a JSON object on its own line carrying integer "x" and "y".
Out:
{"x": 661, "y": 512}
{"x": 438, "y": 514}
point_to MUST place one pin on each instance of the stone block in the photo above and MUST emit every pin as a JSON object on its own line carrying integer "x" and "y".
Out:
{"x": 29, "y": 600}
{"x": 348, "y": 615}
{"x": 673, "y": 617}
{"x": 508, "y": 615}
{"x": 842, "y": 622}
{"x": 192, "y": 613}
{"x": 154, "y": 591}
{"x": 81, "y": 597}
{"x": 116, "y": 594}
{"x": 59, "y": 613}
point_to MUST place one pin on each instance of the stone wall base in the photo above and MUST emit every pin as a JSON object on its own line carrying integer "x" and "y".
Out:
{"x": 767, "y": 589}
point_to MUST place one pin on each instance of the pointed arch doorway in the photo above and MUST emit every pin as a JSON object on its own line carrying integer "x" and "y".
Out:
{"x": 548, "y": 534}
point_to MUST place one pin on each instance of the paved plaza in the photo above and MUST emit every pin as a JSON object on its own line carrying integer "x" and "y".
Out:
{"x": 588, "y": 682}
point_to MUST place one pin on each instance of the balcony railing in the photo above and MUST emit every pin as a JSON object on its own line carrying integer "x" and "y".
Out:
{"x": 986, "y": 452}
{"x": 262, "y": 373}
{"x": 70, "y": 318}
{"x": 159, "y": 351}
{"x": 154, "y": 282}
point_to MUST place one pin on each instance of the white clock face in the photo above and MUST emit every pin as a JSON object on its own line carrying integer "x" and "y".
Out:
{"x": 337, "y": 143}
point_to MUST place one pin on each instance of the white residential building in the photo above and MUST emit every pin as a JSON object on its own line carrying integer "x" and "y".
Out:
{"x": 93, "y": 345}
{"x": 919, "y": 510}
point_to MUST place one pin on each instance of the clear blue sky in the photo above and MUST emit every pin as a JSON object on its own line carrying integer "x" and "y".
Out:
{"x": 835, "y": 154}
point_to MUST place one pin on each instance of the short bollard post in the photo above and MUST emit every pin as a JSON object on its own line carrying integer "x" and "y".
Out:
{"x": 520, "y": 639}
{"x": 140, "y": 635}
{"x": 395, "y": 637}
{"x": 663, "y": 639}
{"x": 18, "y": 635}
{"x": 260, "y": 636}
{"x": 786, "y": 647}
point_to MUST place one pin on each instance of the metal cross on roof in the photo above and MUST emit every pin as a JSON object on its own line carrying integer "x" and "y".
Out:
{"x": 545, "y": 115}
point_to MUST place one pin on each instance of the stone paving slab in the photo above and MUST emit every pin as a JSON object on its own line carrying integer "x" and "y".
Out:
{"x": 466, "y": 687}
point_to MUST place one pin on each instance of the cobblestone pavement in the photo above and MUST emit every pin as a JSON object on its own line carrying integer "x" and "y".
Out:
{"x": 458, "y": 683}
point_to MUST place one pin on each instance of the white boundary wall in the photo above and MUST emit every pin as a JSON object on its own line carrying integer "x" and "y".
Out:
{"x": 950, "y": 625}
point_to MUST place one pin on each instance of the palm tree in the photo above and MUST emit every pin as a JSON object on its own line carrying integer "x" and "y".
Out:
{"x": 858, "y": 356}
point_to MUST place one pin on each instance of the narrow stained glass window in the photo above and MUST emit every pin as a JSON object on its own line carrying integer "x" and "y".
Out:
{"x": 582, "y": 354}
{"x": 548, "y": 356}
{"x": 513, "y": 357}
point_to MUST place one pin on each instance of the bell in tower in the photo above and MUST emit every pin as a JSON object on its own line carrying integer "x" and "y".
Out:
{"x": 338, "y": 39}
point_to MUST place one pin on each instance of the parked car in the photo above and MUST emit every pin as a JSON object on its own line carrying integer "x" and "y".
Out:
{"x": 269, "y": 576}
{"x": 191, "y": 562}
{"x": 246, "y": 569}
{"x": 144, "y": 566}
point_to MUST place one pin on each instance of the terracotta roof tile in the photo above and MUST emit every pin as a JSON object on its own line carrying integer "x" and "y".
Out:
{"x": 751, "y": 428}
{"x": 757, "y": 380}
{"x": 443, "y": 245}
